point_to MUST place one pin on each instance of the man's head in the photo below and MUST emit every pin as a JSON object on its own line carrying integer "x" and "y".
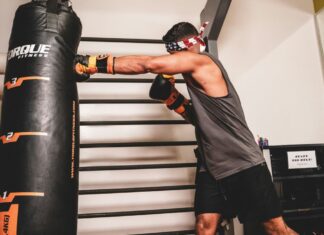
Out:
{"x": 180, "y": 37}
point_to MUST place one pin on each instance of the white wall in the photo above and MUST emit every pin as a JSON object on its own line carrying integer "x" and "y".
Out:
{"x": 140, "y": 19}
{"x": 271, "y": 53}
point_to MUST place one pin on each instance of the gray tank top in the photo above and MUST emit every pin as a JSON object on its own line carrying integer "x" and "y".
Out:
{"x": 225, "y": 142}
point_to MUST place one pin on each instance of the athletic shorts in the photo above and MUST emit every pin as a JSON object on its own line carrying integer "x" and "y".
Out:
{"x": 249, "y": 194}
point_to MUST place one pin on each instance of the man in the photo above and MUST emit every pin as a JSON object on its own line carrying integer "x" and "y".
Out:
{"x": 232, "y": 178}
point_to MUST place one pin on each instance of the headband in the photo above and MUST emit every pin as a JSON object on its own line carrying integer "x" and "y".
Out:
{"x": 189, "y": 42}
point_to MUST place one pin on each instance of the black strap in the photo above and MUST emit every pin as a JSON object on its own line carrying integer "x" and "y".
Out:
{"x": 179, "y": 101}
{"x": 52, "y": 17}
{"x": 52, "y": 6}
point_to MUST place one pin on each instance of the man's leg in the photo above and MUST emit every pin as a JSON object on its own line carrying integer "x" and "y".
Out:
{"x": 277, "y": 226}
{"x": 258, "y": 200}
{"x": 206, "y": 223}
{"x": 210, "y": 203}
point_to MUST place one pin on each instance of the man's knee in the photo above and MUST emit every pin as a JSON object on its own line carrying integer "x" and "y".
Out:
{"x": 207, "y": 223}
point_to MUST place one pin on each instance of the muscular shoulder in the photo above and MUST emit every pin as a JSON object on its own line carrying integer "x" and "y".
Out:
{"x": 209, "y": 76}
{"x": 199, "y": 59}
{"x": 206, "y": 67}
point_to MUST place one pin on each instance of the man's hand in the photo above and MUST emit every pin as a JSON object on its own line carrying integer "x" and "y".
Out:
{"x": 163, "y": 89}
{"x": 85, "y": 65}
{"x": 80, "y": 67}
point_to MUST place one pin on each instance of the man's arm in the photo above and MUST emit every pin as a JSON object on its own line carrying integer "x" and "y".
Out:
{"x": 181, "y": 62}
{"x": 205, "y": 72}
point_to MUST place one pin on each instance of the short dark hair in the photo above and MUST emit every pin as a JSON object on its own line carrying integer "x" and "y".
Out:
{"x": 179, "y": 31}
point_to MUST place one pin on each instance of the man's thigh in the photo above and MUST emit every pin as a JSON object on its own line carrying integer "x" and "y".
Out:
{"x": 210, "y": 198}
{"x": 253, "y": 194}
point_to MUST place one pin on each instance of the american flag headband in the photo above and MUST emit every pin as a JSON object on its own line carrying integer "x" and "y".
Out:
{"x": 189, "y": 42}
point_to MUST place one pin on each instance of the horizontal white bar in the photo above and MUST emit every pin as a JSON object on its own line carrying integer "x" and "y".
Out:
{"x": 136, "y": 178}
{"x": 137, "y": 224}
{"x": 136, "y": 155}
{"x": 145, "y": 75}
{"x": 119, "y": 49}
{"x": 119, "y": 90}
{"x": 114, "y": 112}
{"x": 98, "y": 203}
{"x": 103, "y": 134}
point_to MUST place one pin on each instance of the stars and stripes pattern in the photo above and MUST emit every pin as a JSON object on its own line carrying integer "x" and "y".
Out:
{"x": 189, "y": 42}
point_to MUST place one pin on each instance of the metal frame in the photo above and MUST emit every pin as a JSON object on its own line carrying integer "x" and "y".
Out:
{"x": 215, "y": 12}
{"x": 122, "y": 40}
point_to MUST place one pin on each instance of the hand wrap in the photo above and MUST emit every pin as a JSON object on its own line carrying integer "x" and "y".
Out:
{"x": 84, "y": 66}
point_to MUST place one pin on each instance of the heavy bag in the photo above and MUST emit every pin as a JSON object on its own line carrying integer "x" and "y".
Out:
{"x": 40, "y": 123}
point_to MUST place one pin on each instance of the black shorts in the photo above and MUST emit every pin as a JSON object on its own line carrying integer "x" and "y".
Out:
{"x": 249, "y": 194}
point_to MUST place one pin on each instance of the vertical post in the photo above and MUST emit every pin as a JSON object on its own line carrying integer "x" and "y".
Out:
{"x": 215, "y": 12}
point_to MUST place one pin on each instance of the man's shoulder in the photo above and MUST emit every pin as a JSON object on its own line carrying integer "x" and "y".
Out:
{"x": 212, "y": 57}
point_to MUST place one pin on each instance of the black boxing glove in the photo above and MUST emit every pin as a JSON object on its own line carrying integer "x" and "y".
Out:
{"x": 163, "y": 89}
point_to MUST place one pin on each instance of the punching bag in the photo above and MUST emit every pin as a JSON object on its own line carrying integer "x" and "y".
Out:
{"x": 40, "y": 123}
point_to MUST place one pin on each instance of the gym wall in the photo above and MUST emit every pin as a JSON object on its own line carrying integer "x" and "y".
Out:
{"x": 271, "y": 52}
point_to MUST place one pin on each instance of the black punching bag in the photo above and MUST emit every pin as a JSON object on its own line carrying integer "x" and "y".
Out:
{"x": 40, "y": 123}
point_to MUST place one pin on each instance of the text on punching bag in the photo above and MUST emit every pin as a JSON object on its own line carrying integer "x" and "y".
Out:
{"x": 29, "y": 50}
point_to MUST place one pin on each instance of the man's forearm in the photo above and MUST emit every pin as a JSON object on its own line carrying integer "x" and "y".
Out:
{"x": 133, "y": 64}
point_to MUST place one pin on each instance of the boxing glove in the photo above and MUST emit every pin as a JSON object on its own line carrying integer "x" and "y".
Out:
{"x": 85, "y": 65}
{"x": 163, "y": 89}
